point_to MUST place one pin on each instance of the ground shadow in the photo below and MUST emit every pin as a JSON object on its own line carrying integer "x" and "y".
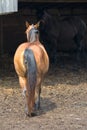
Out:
{"x": 66, "y": 75}
{"x": 46, "y": 106}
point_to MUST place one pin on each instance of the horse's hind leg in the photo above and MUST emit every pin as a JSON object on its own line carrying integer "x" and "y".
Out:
{"x": 37, "y": 97}
{"x": 79, "y": 43}
{"x": 22, "y": 82}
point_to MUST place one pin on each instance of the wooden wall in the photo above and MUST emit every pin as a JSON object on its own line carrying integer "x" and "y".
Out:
{"x": 12, "y": 26}
{"x": 52, "y": 1}
{"x": 12, "y": 31}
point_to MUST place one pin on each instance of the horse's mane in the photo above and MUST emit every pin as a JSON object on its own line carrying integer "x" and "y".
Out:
{"x": 33, "y": 35}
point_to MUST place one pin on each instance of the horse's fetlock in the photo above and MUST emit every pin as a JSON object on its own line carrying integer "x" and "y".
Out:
{"x": 24, "y": 92}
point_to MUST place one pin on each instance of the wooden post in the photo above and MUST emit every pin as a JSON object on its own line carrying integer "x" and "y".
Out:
{"x": 1, "y": 35}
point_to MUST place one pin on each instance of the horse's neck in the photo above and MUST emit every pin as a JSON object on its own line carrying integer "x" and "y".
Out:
{"x": 34, "y": 38}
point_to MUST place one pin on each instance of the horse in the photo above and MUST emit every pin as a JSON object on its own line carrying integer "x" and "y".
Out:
{"x": 57, "y": 30}
{"x": 31, "y": 63}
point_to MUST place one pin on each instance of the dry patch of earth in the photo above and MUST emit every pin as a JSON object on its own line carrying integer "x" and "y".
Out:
{"x": 63, "y": 101}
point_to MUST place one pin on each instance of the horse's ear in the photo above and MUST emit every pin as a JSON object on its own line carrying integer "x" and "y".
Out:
{"x": 27, "y": 24}
{"x": 37, "y": 25}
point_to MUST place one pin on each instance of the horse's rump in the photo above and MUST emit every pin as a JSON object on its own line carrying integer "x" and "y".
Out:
{"x": 40, "y": 54}
{"x": 19, "y": 60}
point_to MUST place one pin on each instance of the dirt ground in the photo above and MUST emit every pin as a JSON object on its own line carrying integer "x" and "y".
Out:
{"x": 63, "y": 100}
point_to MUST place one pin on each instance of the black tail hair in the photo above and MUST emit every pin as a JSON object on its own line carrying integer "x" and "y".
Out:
{"x": 31, "y": 67}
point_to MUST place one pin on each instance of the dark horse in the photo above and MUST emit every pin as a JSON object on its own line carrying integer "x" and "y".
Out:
{"x": 60, "y": 30}
{"x": 31, "y": 63}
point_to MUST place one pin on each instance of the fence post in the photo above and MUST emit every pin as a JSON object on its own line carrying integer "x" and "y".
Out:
{"x": 1, "y": 35}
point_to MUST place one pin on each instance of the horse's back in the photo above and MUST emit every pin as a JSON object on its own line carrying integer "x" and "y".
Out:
{"x": 70, "y": 26}
{"x": 64, "y": 28}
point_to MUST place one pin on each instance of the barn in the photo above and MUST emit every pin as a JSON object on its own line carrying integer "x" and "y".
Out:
{"x": 13, "y": 24}
{"x": 64, "y": 90}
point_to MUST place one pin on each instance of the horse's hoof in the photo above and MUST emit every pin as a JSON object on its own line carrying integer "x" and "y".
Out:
{"x": 28, "y": 113}
{"x": 31, "y": 114}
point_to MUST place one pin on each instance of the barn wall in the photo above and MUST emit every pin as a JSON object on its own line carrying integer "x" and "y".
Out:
{"x": 52, "y": 1}
{"x": 13, "y": 27}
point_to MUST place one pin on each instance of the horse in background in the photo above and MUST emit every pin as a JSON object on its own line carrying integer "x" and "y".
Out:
{"x": 31, "y": 63}
{"x": 60, "y": 30}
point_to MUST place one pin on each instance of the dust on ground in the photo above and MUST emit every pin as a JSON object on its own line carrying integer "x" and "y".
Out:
{"x": 63, "y": 101}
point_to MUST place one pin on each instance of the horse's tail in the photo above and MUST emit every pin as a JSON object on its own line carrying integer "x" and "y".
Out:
{"x": 82, "y": 27}
{"x": 31, "y": 74}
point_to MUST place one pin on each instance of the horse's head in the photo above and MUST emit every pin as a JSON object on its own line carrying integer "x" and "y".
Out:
{"x": 32, "y": 32}
{"x": 45, "y": 26}
{"x": 45, "y": 19}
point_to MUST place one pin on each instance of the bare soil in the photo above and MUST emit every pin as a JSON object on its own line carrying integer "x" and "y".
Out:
{"x": 63, "y": 100}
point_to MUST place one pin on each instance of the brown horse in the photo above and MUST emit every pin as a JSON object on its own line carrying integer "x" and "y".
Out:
{"x": 57, "y": 30}
{"x": 31, "y": 63}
